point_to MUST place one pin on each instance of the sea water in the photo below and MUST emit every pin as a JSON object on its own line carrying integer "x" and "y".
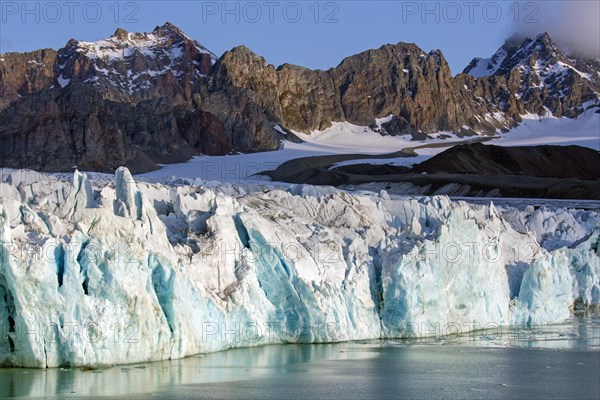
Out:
{"x": 554, "y": 361}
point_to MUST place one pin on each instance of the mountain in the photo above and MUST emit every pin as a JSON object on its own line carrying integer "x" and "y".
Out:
{"x": 126, "y": 100}
{"x": 541, "y": 53}
{"x": 535, "y": 76}
{"x": 141, "y": 65}
{"x": 400, "y": 80}
{"x": 129, "y": 62}
{"x": 144, "y": 99}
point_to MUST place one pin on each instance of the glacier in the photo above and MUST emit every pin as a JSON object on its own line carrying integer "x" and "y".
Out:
{"x": 96, "y": 271}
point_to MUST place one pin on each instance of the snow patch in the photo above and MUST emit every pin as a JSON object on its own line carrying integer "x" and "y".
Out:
{"x": 62, "y": 81}
{"x": 279, "y": 129}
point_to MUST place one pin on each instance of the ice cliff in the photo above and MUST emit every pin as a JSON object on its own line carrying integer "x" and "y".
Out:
{"x": 101, "y": 271}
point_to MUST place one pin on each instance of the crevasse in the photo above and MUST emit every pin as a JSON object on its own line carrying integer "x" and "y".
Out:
{"x": 100, "y": 272}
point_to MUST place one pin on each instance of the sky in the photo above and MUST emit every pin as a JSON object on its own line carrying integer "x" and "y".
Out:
{"x": 314, "y": 34}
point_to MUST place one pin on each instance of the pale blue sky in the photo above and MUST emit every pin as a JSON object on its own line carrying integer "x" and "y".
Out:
{"x": 461, "y": 29}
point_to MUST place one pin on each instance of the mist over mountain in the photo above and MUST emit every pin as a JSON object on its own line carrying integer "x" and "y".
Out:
{"x": 576, "y": 29}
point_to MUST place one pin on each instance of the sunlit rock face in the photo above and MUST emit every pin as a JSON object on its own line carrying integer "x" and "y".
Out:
{"x": 108, "y": 270}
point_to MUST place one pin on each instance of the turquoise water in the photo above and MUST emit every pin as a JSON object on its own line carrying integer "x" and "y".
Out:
{"x": 558, "y": 361}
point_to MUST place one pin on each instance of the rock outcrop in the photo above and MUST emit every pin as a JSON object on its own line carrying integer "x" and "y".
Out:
{"x": 24, "y": 73}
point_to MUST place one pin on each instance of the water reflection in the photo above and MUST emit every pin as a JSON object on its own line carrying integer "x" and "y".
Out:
{"x": 306, "y": 365}
{"x": 232, "y": 365}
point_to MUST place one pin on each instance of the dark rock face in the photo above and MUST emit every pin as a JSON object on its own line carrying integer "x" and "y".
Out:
{"x": 46, "y": 131}
{"x": 141, "y": 99}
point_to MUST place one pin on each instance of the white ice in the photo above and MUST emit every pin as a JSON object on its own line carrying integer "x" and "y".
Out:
{"x": 108, "y": 271}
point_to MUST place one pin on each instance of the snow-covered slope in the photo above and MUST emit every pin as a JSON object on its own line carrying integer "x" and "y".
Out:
{"x": 340, "y": 138}
{"x": 481, "y": 67}
{"x": 549, "y": 130}
{"x": 103, "y": 272}
{"x": 346, "y": 138}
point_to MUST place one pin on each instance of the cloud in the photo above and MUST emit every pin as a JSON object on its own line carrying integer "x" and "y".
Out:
{"x": 574, "y": 25}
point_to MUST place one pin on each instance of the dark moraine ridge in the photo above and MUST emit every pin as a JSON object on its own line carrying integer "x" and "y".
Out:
{"x": 474, "y": 169}
{"x": 541, "y": 161}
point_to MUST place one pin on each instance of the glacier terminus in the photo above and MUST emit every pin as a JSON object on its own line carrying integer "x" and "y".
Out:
{"x": 97, "y": 271}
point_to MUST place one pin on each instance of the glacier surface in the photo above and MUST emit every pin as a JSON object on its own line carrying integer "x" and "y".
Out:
{"x": 97, "y": 271}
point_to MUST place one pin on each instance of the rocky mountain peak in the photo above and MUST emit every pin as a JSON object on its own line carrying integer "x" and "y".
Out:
{"x": 437, "y": 55}
{"x": 537, "y": 77}
{"x": 126, "y": 66}
{"x": 544, "y": 39}
{"x": 136, "y": 64}
{"x": 540, "y": 52}
{"x": 120, "y": 34}
{"x": 169, "y": 29}
{"x": 396, "y": 79}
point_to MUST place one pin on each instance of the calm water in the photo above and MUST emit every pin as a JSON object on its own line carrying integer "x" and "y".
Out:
{"x": 559, "y": 361}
